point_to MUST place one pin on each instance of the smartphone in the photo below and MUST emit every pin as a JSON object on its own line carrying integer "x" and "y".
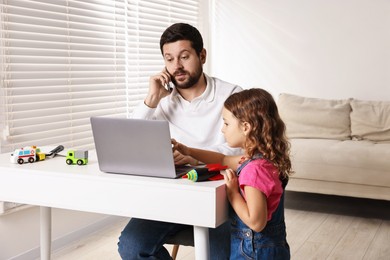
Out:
{"x": 169, "y": 85}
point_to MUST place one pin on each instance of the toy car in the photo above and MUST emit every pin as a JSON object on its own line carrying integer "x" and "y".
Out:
{"x": 79, "y": 157}
{"x": 27, "y": 154}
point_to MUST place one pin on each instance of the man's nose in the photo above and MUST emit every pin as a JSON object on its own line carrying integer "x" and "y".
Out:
{"x": 178, "y": 64}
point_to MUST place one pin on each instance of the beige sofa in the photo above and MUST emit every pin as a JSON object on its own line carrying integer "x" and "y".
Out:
{"x": 339, "y": 147}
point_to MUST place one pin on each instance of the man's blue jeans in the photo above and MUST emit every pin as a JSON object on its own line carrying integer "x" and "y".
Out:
{"x": 145, "y": 239}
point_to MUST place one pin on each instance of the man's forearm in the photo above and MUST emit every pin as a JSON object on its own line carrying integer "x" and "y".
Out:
{"x": 152, "y": 101}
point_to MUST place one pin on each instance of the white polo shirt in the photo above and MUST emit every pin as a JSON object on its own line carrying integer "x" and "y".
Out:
{"x": 197, "y": 123}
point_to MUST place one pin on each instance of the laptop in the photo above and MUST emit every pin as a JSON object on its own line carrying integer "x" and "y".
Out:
{"x": 135, "y": 147}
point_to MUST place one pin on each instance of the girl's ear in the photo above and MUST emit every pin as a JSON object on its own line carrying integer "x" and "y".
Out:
{"x": 246, "y": 128}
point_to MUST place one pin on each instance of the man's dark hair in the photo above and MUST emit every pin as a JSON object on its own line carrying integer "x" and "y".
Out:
{"x": 182, "y": 31}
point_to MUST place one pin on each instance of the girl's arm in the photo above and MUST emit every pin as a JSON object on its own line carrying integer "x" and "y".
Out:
{"x": 253, "y": 211}
{"x": 207, "y": 156}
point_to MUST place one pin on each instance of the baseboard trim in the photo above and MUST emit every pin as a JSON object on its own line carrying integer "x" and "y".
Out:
{"x": 71, "y": 237}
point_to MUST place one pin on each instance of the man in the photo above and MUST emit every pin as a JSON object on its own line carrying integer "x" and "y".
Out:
{"x": 192, "y": 106}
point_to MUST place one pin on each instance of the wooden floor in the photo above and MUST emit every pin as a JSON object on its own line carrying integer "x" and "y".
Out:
{"x": 318, "y": 226}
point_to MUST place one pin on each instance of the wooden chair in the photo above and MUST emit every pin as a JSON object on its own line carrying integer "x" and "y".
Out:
{"x": 185, "y": 238}
{"x": 175, "y": 250}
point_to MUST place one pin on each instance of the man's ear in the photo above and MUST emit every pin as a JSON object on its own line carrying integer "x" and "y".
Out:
{"x": 203, "y": 55}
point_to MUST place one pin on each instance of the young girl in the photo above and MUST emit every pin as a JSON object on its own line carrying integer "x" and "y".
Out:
{"x": 256, "y": 190}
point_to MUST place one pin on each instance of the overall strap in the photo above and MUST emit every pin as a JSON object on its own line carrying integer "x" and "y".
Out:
{"x": 254, "y": 157}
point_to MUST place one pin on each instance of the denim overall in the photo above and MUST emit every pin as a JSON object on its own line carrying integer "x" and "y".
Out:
{"x": 270, "y": 243}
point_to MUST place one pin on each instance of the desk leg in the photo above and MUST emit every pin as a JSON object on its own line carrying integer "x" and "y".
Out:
{"x": 45, "y": 233}
{"x": 201, "y": 239}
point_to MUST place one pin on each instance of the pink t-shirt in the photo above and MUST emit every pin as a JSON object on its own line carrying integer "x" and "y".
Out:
{"x": 264, "y": 176}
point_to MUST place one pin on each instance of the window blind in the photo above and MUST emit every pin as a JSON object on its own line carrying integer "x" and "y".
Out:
{"x": 63, "y": 61}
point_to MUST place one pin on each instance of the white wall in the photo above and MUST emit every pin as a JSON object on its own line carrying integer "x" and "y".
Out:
{"x": 317, "y": 48}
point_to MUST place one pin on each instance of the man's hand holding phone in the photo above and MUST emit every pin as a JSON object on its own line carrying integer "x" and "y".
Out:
{"x": 159, "y": 87}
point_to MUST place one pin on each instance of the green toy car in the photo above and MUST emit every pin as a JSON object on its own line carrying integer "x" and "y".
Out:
{"x": 79, "y": 157}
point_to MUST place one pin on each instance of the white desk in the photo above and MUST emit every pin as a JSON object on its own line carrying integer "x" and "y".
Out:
{"x": 53, "y": 183}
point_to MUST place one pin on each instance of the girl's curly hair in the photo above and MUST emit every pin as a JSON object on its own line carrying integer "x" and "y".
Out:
{"x": 267, "y": 137}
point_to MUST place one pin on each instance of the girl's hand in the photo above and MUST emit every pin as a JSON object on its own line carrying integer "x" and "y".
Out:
{"x": 181, "y": 159}
{"x": 179, "y": 147}
{"x": 231, "y": 181}
{"x": 180, "y": 154}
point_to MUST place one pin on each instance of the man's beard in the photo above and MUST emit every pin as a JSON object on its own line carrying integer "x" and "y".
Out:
{"x": 190, "y": 82}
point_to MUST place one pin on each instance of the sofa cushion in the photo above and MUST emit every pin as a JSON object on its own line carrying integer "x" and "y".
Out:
{"x": 315, "y": 118}
{"x": 370, "y": 120}
{"x": 354, "y": 162}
